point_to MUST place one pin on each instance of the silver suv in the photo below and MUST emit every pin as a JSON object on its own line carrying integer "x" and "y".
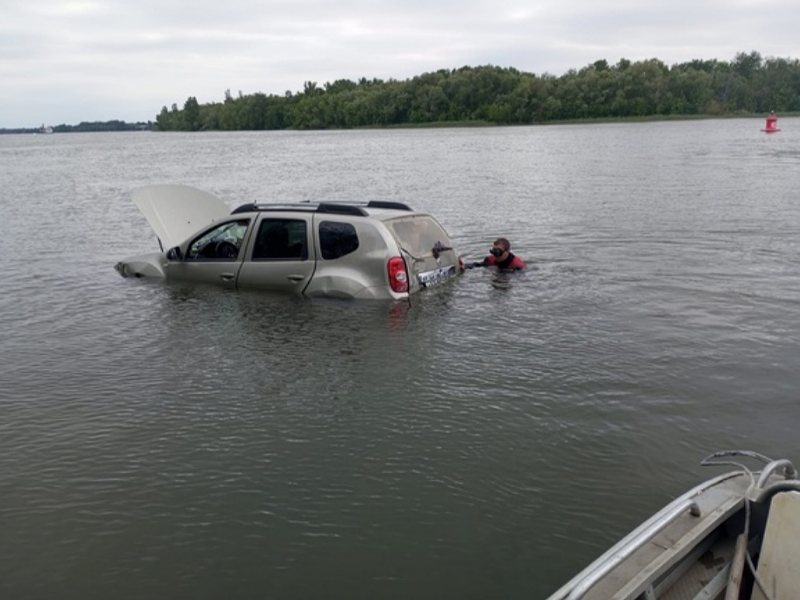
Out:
{"x": 344, "y": 250}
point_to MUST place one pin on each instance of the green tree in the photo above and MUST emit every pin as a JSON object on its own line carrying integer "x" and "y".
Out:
{"x": 505, "y": 95}
{"x": 191, "y": 114}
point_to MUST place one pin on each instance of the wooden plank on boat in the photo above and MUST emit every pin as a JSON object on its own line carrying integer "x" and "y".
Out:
{"x": 777, "y": 565}
{"x": 693, "y": 576}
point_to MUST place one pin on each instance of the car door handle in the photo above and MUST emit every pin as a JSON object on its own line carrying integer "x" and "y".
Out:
{"x": 296, "y": 278}
{"x": 226, "y": 276}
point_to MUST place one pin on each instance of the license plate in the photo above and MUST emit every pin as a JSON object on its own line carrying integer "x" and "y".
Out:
{"x": 437, "y": 276}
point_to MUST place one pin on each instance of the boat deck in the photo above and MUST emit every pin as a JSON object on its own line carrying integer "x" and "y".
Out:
{"x": 655, "y": 567}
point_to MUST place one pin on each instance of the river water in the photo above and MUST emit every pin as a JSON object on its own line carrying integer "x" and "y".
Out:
{"x": 486, "y": 440}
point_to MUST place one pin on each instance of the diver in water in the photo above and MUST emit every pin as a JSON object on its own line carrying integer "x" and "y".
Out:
{"x": 500, "y": 256}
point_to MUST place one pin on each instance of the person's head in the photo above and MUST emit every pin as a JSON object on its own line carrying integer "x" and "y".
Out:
{"x": 500, "y": 248}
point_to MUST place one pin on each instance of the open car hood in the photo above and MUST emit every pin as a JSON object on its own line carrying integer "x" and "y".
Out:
{"x": 177, "y": 211}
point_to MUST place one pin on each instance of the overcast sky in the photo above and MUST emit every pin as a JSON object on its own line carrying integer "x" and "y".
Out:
{"x": 64, "y": 61}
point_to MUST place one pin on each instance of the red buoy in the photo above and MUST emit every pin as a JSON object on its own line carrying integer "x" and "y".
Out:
{"x": 772, "y": 123}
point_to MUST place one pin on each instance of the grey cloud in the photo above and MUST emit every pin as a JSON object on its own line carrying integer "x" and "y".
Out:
{"x": 137, "y": 56}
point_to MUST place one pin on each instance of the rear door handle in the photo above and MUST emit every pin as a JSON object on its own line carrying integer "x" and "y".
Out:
{"x": 226, "y": 276}
{"x": 296, "y": 278}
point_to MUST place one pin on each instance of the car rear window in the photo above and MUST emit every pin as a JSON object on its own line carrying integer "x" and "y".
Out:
{"x": 337, "y": 239}
{"x": 419, "y": 234}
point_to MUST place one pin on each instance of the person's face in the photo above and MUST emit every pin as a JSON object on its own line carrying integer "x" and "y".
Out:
{"x": 498, "y": 251}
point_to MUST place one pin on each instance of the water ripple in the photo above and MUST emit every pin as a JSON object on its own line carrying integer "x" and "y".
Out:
{"x": 194, "y": 442}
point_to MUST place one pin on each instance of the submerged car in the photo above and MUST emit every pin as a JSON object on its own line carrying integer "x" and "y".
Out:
{"x": 380, "y": 250}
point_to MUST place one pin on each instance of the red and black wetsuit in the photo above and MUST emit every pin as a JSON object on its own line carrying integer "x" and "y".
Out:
{"x": 511, "y": 263}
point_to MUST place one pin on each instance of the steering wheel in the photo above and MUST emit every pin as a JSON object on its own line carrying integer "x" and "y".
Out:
{"x": 227, "y": 249}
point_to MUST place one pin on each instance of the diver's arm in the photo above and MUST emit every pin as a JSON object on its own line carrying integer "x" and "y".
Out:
{"x": 481, "y": 263}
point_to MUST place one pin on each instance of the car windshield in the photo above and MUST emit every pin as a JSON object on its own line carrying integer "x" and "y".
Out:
{"x": 419, "y": 234}
{"x": 209, "y": 244}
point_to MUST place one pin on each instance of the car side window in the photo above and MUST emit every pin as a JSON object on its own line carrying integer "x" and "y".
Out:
{"x": 281, "y": 239}
{"x": 220, "y": 243}
{"x": 337, "y": 239}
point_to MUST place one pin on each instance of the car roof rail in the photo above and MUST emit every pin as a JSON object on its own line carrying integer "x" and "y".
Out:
{"x": 388, "y": 204}
{"x": 253, "y": 207}
{"x": 341, "y": 209}
{"x": 329, "y": 207}
{"x": 250, "y": 207}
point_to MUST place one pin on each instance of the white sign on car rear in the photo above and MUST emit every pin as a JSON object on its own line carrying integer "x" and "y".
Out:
{"x": 436, "y": 276}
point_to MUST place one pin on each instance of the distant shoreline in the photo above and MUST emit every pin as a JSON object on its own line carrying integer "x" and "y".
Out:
{"x": 140, "y": 126}
{"x": 83, "y": 127}
{"x": 590, "y": 120}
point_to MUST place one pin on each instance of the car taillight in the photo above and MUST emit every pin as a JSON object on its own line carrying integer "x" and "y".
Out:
{"x": 398, "y": 276}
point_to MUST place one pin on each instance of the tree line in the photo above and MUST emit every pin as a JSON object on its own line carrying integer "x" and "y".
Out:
{"x": 490, "y": 94}
{"x": 113, "y": 125}
{"x": 85, "y": 126}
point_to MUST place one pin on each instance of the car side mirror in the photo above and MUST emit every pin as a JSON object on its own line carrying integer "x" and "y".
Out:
{"x": 174, "y": 253}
